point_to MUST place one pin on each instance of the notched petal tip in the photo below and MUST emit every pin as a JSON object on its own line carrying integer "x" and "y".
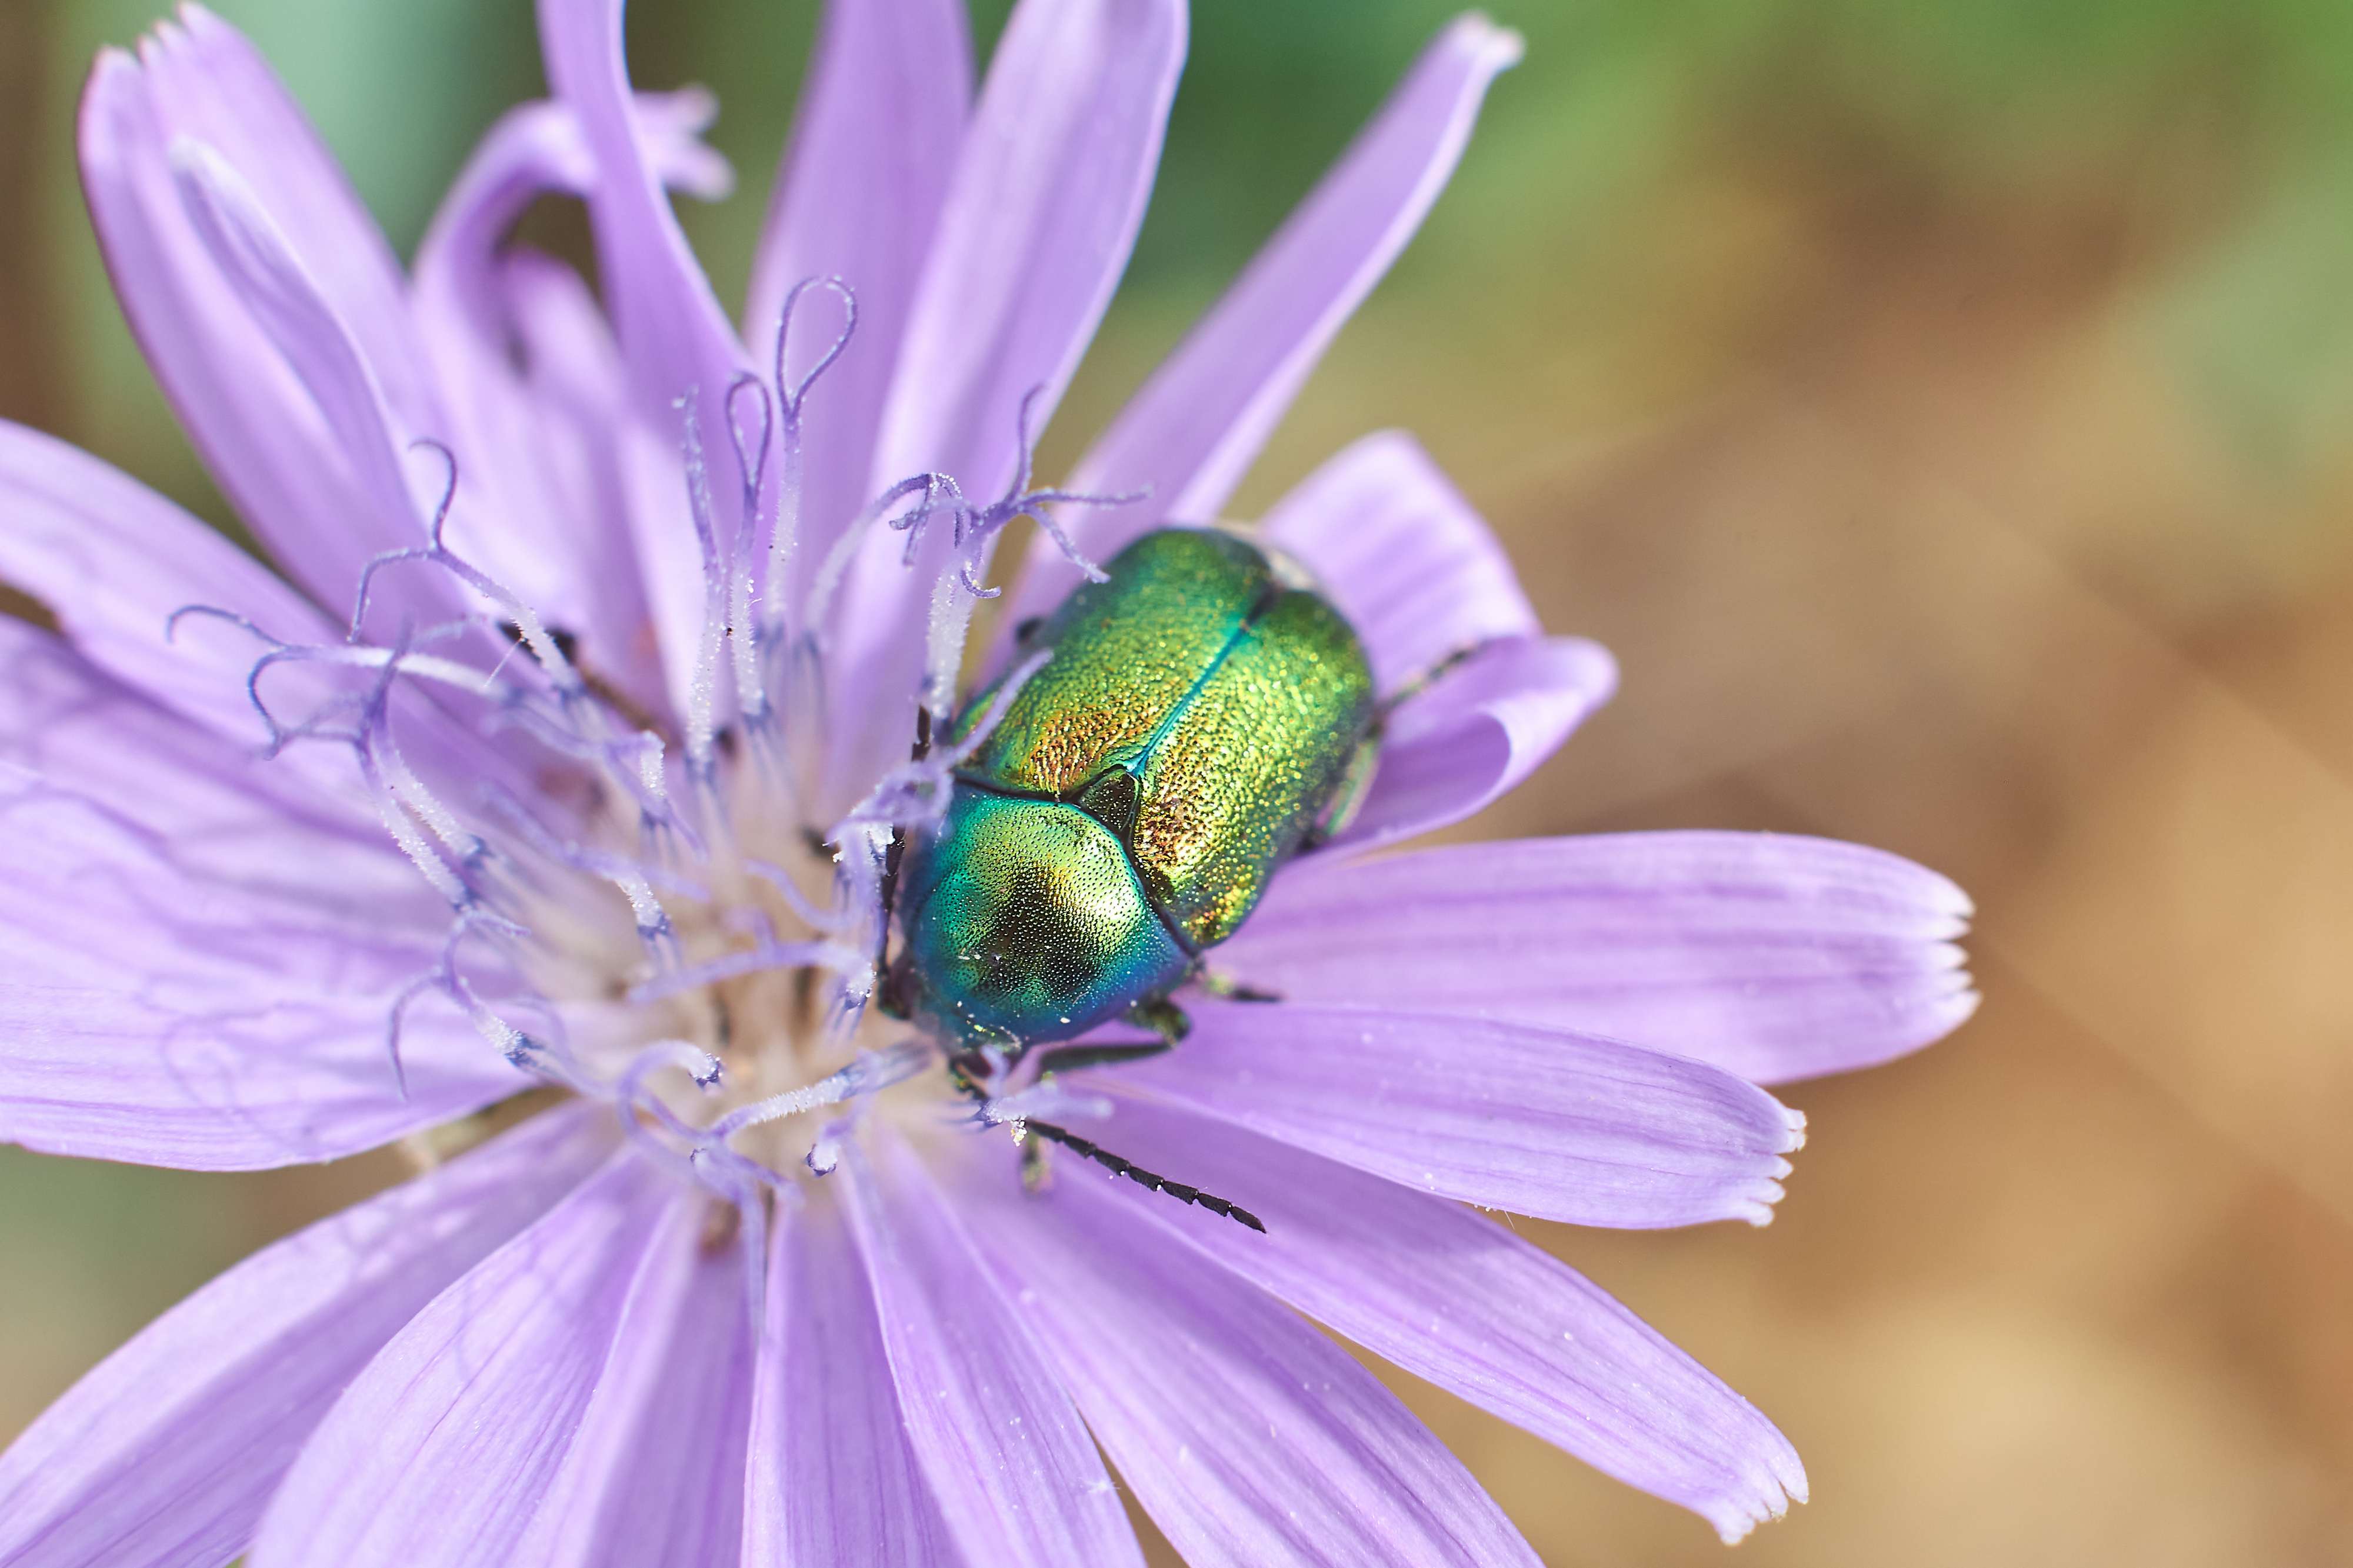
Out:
{"x": 1776, "y": 1489}
{"x": 1769, "y": 1486}
{"x": 1755, "y": 1205}
{"x": 676, "y": 121}
{"x": 1479, "y": 35}
{"x": 1946, "y": 897}
{"x": 112, "y": 61}
{"x": 1796, "y": 1124}
{"x": 1732, "y": 1529}
{"x": 696, "y": 106}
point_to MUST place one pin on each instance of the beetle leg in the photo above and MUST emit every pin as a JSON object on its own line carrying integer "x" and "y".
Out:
{"x": 1074, "y": 1059}
{"x": 1225, "y": 988}
{"x": 967, "y": 1073}
{"x": 890, "y": 997}
{"x": 1157, "y": 1014}
{"x": 1036, "y": 1175}
{"x": 1414, "y": 685}
{"x": 1162, "y": 1018}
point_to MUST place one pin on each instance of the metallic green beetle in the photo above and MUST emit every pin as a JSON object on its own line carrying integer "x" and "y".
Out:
{"x": 1203, "y": 715}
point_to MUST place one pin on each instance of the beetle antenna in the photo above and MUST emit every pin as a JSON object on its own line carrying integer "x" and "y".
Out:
{"x": 1089, "y": 1150}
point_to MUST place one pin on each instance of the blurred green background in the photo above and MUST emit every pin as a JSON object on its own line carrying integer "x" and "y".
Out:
{"x": 1943, "y": 408}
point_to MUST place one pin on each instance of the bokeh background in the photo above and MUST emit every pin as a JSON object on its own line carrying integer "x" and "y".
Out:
{"x": 1946, "y": 411}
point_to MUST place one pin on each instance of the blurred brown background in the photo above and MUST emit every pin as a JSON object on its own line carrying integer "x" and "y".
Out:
{"x": 1945, "y": 412}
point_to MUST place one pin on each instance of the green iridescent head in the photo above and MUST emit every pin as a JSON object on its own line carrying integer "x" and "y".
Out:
{"x": 1025, "y": 921}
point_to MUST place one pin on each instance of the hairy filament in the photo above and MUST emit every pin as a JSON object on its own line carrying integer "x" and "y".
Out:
{"x": 784, "y": 537}
{"x": 871, "y": 1072}
{"x": 703, "y": 688}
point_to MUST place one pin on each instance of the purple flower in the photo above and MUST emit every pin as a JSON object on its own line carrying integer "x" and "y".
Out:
{"x": 584, "y": 712}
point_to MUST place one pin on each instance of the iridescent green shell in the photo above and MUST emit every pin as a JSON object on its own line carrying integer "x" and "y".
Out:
{"x": 1201, "y": 704}
{"x": 1201, "y": 714}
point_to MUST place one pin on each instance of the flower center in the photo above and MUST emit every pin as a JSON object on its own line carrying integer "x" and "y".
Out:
{"x": 642, "y": 909}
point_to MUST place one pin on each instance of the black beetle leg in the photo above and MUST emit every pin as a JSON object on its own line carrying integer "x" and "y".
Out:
{"x": 1075, "y": 1059}
{"x": 1225, "y": 988}
{"x": 1414, "y": 685}
{"x": 895, "y": 860}
{"x": 1162, "y": 1018}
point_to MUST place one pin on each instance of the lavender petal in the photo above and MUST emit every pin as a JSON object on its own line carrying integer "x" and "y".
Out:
{"x": 1049, "y": 190}
{"x": 672, "y": 328}
{"x": 1771, "y": 956}
{"x": 1015, "y": 1475}
{"x": 1196, "y": 426}
{"x": 209, "y": 83}
{"x": 1397, "y": 549}
{"x": 1472, "y": 738}
{"x": 1538, "y": 1121}
{"x": 112, "y": 560}
{"x": 536, "y": 433}
{"x": 654, "y": 1475}
{"x": 226, "y": 817}
{"x": 577, "y": 1398}
{"x": 159, "y": 1009}
{"x": 615, "y": 481}
{"x": 167, "y": 1452}
{"x": 832, "y": 1478}
{"x": 1250, "y": 1439}
{"x": 261, "y": 433}
{"x": 300, "y": 322}
{"x": 1452, "y": 1297}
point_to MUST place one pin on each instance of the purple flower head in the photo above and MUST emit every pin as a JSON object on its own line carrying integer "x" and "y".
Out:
{"x": 569, "y": 757}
